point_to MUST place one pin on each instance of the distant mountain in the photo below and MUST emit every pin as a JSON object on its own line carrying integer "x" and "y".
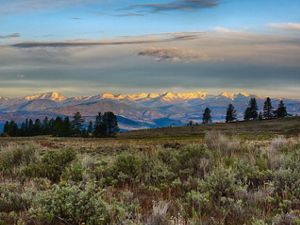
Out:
{"x": 134, "y": 111}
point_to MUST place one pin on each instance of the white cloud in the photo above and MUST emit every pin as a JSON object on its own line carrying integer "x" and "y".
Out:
{"x": 174, "y": 54}
{"x": 286, "y": 26}
{"x": 227, "y": 30}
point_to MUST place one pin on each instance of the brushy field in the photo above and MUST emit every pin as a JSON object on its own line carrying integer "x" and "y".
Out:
{"x": 214, "y": 178}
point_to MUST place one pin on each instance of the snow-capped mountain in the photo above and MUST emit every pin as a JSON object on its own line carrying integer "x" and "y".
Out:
{"x": 135, "y": 111}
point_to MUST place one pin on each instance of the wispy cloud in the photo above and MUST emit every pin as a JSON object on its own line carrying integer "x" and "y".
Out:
{"x": 178, "y": 5}
{"x": 227, "y": 30}
{"x": 16, "y": 6}
{"x": 130, "y": 15}
{"x": 125, "y": 41}
{"x": 286, "y": 26}
{"x": 9, "y": 36}
{"x": 174, "y": 54}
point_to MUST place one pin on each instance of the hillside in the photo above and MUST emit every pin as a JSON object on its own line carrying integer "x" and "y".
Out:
{"x": 287, "y": 126}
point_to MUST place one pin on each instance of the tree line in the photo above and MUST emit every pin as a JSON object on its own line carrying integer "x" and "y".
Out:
{"x": 251, "y": 112}
{"x": 105, "y": 125}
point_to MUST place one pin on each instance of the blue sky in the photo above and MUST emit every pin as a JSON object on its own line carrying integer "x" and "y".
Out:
{"x": 215, "y": 44}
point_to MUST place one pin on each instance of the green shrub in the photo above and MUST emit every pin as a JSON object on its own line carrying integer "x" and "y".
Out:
{"x": 72, "y": 204}
{"x": 252, "y": 175}
{"x": 199, "y": 202}
{"x": 73, "y": 172}
{"x": 51, "y": 165}
{"x": 221, "y": 184}
{"x": 14, "y": 156}
{"x": 193, "y": 160}
{"x": 127, "y": 168}
{"x": 13, "y": 198}
{"x": 155, "y": 172}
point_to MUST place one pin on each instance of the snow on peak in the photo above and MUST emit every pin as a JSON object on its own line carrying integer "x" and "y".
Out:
{"x": 183, "y": 96}
{"x": 232, "y": 96}
{"x": 54, "y": 96}
{"x": 227, "y": 95}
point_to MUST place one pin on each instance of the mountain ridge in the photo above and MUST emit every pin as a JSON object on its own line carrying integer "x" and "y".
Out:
{"x": 139, "y": 110}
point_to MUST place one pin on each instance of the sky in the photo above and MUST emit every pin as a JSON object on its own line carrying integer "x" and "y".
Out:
{"x": 87, "y": 47}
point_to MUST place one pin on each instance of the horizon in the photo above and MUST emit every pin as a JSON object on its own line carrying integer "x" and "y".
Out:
{"x": 80, "y": 47}
{"x": 224, "y": 93}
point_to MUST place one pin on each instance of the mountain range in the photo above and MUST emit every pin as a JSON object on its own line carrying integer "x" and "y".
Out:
{"x": 134, "y": 111}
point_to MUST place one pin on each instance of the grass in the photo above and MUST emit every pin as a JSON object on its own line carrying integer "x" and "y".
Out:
{"x": 231, "y": 174}
{"x": 287, "y": 126}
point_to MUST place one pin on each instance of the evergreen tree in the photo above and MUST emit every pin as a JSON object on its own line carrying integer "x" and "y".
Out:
{"x": 6, "y": 128}
{"x": 99, "y": 127}
{"x": 12, "y": 130}
{"x": 260, "y": 116}
{"x": 251, "y": 111}
{"x": 46, "y": 128}
{"x": 230, "y": 114}
{"x": 66, "y": 127}
{"x": 247, "y": 114}
{"x": 51, "y": 125}
{"x": 110, "y": 122}
{"x": 22, "y": 131}
{"x": 281, "y": 111}
{"x": 37, "y": 127}
{"x": 77, "y": 124}
{"x": 268, "y": 109}
{"x": 30, "y": 128}
{"x": 90, "y": 129}
{"x": 58, "y": 127}
{"x": 207, "y": 116}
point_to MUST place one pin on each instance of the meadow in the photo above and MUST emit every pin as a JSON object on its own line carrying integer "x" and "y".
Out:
{"x": 231, "y": 174}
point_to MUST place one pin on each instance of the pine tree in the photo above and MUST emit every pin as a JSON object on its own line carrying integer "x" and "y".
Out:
{"x": 77, "y": 124}
{"x": 268, "y": 109}
{"x": 37, "y": 127}
{"x": 66, "y": 127}
{"x": 247, "y": 115}
{"x": 99, "y": 127}
{"x": 230, "y": 114}
{"x": 281, "y": 111}
{"x": 111, "y": 123}
{"x": 6, "y": 128}
{"x": 12, "y": 129}
{"x": 30, "y": 128}
{"x": 260, "y": 116}
{"x": 207, "y": 116}
{"x": 58, "y": 127}
{"x": 46, "y": 128}
{"x": 90, "y": 129}
{"x": 251, "y": 111}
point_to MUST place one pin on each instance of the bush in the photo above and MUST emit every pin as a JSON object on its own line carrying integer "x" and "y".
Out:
{"x": 127, "y": 168}
{"x": 193, "y": 160}
{"x": 73, "y": 172}
{"x": 51, "y": 165}
{"x": 73, "y": 204}
{"x": 12, "y": 198}
{"x": 221, "y": 184}
{"x": 252, "y": 175}
{"x": 13, "y": 156}
{"x": 220, "y": 143}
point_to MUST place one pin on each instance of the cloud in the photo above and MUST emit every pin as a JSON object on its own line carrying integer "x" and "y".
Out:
{"x": 178, "y": 5}
{"x": 10, "y": 36}
{"x": 168, "y": 37}
{"x": 174, "y": 54}
{"x": 16, "y": 6}
{"x": 286, "y": 26}
{"x": 130, "y": 15}
{"x": 226, "y": 30}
